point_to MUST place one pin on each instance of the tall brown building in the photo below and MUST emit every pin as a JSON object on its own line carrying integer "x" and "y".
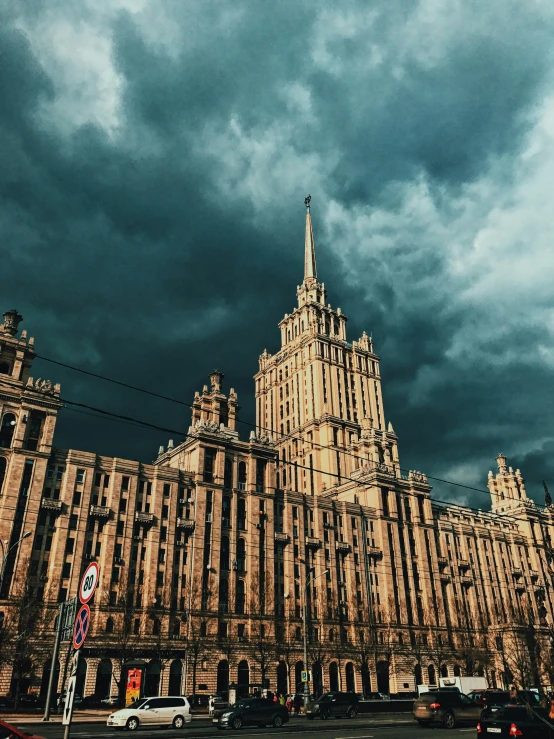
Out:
{"x": 208, "y": 555}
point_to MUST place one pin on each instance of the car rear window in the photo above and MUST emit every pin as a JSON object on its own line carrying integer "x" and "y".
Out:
{"x": 512, "y": 713}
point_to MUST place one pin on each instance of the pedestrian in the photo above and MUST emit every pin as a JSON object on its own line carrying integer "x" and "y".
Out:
{"x": 289, "y": 704}
{"x": 275, "y": 698}
{"x": 297, "y": 704}
{"x": 282, "y": 700}
{"x": 211, "y": 705}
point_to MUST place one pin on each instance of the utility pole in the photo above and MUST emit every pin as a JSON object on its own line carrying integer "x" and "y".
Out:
{"x": 55, "y": 651}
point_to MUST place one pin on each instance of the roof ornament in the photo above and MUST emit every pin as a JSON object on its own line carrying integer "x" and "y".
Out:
{"x": 307, "y": 202}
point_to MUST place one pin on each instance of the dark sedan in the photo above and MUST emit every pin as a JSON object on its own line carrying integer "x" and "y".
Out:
{"x": 251, "y": 712}
{"x": 512, "y": 721}
{"x": 445, "y": 707}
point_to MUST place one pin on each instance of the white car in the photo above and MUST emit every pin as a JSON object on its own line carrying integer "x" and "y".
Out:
{"x": 166, "y": 711}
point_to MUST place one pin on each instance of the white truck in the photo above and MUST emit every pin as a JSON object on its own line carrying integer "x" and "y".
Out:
{"x": 464, "y": 684}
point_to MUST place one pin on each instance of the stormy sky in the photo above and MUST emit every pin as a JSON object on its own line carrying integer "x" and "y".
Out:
{"x": 154, "y": 158}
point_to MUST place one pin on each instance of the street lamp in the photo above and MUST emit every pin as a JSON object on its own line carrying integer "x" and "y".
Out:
{"x": 5, "y": 552}
{"x": 309, "y": 581}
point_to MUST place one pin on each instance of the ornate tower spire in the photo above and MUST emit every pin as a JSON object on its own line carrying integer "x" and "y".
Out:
{"x": 310, "y": 269}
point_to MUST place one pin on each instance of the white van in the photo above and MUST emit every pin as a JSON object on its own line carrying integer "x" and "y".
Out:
{"x": 159, "y": 711}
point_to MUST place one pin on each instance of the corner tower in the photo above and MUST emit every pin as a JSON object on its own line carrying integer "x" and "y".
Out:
{"x": 320, "y": 396}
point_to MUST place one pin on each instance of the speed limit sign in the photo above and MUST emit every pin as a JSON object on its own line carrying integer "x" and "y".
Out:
{"x": 89, "y": 583}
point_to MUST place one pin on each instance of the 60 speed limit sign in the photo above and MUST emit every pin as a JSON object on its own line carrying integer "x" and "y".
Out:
{"x": 88, "y": 583}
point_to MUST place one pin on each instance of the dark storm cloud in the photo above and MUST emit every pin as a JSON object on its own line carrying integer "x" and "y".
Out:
{"x": 153, "y": 168}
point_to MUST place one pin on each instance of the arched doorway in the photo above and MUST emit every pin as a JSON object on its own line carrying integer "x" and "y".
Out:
{"x": 383, "y": 676}
{"x": 282, "y": 681}
{"x": 299, "y": 685}
{"x": 81, "y": 677}
{"x": 418, "y": 674}
{"x": 222, "y": 677}
{"x": 350, "y": 681}
{"x": 333, "y": 676}
{"x": 46, "y": 677}
{"x": 175, "y": 677}
{"x": 431, "y": 674}
{"x": 152, "y": 678}
{"x": 103, "y": 684}
{"x": 366, "y": 679}
{"x": 317, "y": 675}
{"x": 243, "y": 679}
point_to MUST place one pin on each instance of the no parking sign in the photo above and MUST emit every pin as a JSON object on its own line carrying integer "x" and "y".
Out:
{"x": 82, "y": 622}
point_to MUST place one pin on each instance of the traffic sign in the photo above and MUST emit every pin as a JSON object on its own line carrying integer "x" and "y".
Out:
{"x": 69, "y": 698}
{"x": 89, "y": 582}
{"x": 82, "y": 622}
{"x": 304, "y": 676}
{"x": 68, "y": 619}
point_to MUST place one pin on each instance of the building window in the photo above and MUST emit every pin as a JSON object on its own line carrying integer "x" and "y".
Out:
{"x": 167, "y": 489}
{"x": 6, "y": 430}
{"x": 80, "y": 477}
{"x": 3, "y": 465}
{"x": 242, "y": 476}
{"x": 124, "y": 483}
{"x": 209, "y": 464}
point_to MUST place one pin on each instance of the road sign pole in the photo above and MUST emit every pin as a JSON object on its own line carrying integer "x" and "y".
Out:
{"x": 53, "y": 670}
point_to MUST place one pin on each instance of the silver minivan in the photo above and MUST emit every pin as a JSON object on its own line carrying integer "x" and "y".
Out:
{"x": 159, "y": 711}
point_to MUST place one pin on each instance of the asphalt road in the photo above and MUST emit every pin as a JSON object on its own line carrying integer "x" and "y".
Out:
{"x": 359, "y": 728}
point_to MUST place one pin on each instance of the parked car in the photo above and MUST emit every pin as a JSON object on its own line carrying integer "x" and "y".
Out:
{"x": 376, "y": 697}
{"x": 77, "y": 700}
{"x": 166, "y": 711}
{"x": 333, "y": 704}
{"x": 92, "y": 701}
{"x": 7, "y": 731}
{"x": 501, "y": 698}
{"x": 198, "y": 700}
{"x": 251, "y": 711}
{"x": 110, "y": 700}
{"x": 221, "y": 700}
{"x": 512, "y": 721}
{"x": 446, "y": 707}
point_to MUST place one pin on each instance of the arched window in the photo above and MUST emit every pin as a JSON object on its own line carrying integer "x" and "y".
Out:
{"x": 431, "y": 674}
{"x": 156, "y": 626}
{"x": 240, "y": 597}
{"x": 350, "y": 682}
{"x": 333, "y": 676}
{"x": 224, "y": 553}
{"x": 243, "y": 679}
{"x": 109, "y": 625}
{"x": 444, "y": 671}
{"x": 228, "y": 473}
{"x": 226, "y": 509}
{"x": 6, "y": 430}
{"x": 418, "y": 675}
{"x": 152, "y": 678}
{"x": 3, "y": 465}
{"x": 457, "y": 671}
{"x": 242, "y": 475}
{"x": 222, "y": 685}
{"x": 241, "y": 513}
{"x": 331, "y": 634}
{"x": 241, "y": 555}
{"x": 175, "y": 677}
{"x": 223, "y": 595}
{"x": 102, "y": 687}
{"x": 5, "y": 368}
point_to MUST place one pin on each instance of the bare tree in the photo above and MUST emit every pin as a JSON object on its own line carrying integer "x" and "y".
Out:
{"x": 262, "y": 633}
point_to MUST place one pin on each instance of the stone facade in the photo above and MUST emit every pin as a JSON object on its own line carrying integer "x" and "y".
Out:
{"x": 208, "y": 555}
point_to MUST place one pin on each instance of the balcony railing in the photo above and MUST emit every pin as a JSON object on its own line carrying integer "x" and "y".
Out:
{"x": 375, "y": 552}
{"x": 516, "y": 572}
{"x": 443, "y": 561}
{"x": 51, "y": 505}
{"x": 343, "y": 547}
{"x": 464, "y": 564}
{"x": 145, "y": 518}
{"x": 313, "y": 542}
{"x": 534, "y": 574}
{"x": 185, "y": 523}
{"x": 100, "y": 511}
{"x": 444, "y": 577}
{"x": 281, "y": 537}
{"x": 466, "y": 581}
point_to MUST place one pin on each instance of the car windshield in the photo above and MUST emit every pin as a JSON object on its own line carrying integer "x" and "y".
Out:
{"x": 138, "y": 703}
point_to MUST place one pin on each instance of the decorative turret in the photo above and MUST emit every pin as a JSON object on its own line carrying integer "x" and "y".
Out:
{"x": 213, "y": 408}
{"x": 12, "y": 319}
{"x": 507, "y": 489}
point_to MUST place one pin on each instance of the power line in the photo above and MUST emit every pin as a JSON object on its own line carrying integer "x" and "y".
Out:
{"x": 283, "y": 436}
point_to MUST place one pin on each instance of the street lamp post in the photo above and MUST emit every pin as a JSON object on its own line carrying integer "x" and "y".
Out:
{"x": 309, "y": 581}
{"x": 5, "y": 552}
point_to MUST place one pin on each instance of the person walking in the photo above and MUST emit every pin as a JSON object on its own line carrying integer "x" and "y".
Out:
{"x": 297, "y": 704}
{"x": 275, "y": 698}
{"x": 281, "y": 700}
{"x": 289, "y": 704}
{"x": 211, "y": 705}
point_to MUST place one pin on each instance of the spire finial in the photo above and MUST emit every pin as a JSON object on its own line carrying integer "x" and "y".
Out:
{"x": 547, "y": 496}
{"x": 310, "y": 269}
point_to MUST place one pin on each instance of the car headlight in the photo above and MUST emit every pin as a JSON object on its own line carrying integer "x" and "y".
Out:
{"x": 226, "y": 715}
{"x": 316, "y": 706}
